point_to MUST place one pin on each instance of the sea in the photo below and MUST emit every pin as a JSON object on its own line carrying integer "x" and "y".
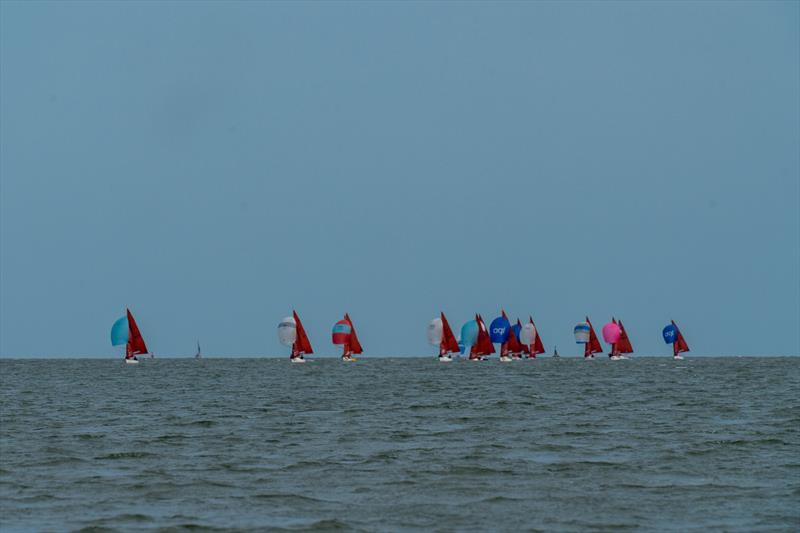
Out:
{"x": 400, "y": 444}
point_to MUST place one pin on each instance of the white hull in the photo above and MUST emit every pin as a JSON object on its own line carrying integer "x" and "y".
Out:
{"x": 615, "y": 358}
{"x": 677, "y": 358}
{"x": 297, "y": 360}
{"x": 505, "y": 359}
{"x": 348, "y": 359}
{"x": 445, "y": 359}
{"x": 132, "y": 361}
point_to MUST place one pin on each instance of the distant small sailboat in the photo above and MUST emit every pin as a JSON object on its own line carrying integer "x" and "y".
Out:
{"x": 292, "y": 333}
{"x": 555, "y": 353}
{"x": 344, "y": 333}
{"x": 126, "y": 331}
{"x": 530, "y": 336}
{"x": 198, "y": 355}
{"x": 672, "y": 335}
{"x": 440, "y": 333}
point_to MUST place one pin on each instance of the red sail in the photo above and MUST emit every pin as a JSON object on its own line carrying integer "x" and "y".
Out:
{"x": 449, "y": 343}
{"x": 353, "y": 346}
{"x": 593, "y": 346}
{"x": 484, "y": 344}
{"x": 512, "y": 344}
{"x": 624, "y": 343}
{"x": 301, "y": 344}
{"x": 136, "y": 343}
{"x": 538, "y": 347}
{"x": 679, "y": 346}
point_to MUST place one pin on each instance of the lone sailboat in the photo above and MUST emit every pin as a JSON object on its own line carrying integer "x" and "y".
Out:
{"x": 344, "y": 333}
{"x": 439, "y": 333}
{"x": 125, "y": 331}
{"x": 292, "y": 333}
{"x": 672, "y": 335}
{"x": 198, "y": 355}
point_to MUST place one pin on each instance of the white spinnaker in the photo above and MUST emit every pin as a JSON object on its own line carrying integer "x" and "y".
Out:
{"x": 435, "y": 331}
{"x": 287, "y": 331}
{"x": 527, "y": 334}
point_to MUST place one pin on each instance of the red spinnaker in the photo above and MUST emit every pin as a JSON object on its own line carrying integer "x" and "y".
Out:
{"x": 136, "y": 343}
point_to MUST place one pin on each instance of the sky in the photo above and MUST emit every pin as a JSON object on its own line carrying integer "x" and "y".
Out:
{"x": 215, "y": 165}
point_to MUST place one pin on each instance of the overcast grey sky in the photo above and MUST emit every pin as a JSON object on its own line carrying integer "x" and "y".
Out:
{"x": 213, "y": 165}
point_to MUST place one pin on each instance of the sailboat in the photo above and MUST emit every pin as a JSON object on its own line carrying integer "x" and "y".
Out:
{"x": 292, "y": 333}
{"x": 555, "y": 353}
{"x": 593, "y": 346}
{"x": 198, "y": 355}
{"x": 344, "y": 333}
{"x": 611, "y": 334}
{"x": 440, "y": 333}
{"x": 126, "y": 331}
{"x": 512, "y": 347}
{"x": 624, "y": 345}
{"x": 500, "y": 333}
{"x": 530, "y": 336}
{"x": 673, "y": 335}
{"x": 483, "y": 346}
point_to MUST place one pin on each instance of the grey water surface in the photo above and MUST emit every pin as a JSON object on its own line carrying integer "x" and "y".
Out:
{"x": 399, "y": 444}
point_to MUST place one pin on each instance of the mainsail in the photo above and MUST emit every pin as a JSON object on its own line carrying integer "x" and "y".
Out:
{"x": 448, "y": 344}
{"x": 301, "y": 343}
{"x": 679, "y": 346}
{"x": 135, "y": 345}
{"x": 624, "y": 343}
{"x": 353, "y": 346}
{"x": 593, "y": 346}
{"x": 483, "y": 345}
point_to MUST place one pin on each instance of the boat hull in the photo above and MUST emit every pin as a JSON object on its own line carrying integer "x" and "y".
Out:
{"x": 677, "y": 358}
{"x": 132, "y": 361}
{"x": 445, "y": 359}
{"x": 297, "y": 360}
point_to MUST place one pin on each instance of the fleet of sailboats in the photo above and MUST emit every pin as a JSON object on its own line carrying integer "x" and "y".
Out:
{"x": 516, "y": 341}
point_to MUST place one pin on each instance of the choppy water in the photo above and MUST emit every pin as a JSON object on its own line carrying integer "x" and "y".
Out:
{"x": 401, "y": 444}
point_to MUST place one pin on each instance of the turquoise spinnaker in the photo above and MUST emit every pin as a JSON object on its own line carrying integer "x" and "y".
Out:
{"x": 119, "y": 332}
{"x": 469, "y": 334}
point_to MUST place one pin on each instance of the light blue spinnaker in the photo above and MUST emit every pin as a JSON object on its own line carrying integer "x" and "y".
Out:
{"x": 119, "y": 332}
{"x": 469, "y": 334}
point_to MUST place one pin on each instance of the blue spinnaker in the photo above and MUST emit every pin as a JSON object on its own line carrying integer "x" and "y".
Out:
{"x": 498, "y": 330}
{"x": 469, "y": 334}
{"x": 119, "y": 332}
{"x": 517, "y": 330}
{"x": 670, "y": 333}
{"x": 582, "y": 333}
